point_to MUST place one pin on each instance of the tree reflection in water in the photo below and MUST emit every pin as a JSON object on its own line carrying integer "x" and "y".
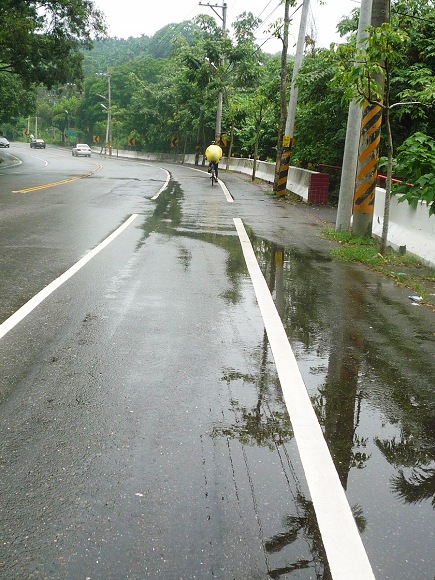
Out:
{"x": 418, "y": 484}
{"x": 267, "y": 424}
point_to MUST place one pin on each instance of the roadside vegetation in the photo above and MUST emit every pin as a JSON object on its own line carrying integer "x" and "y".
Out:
{"x": 164, "y": 88}
{"x": 405, "y": 269}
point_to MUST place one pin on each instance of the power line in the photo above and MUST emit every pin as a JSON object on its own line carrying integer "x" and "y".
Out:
{"x": 430, "y": 20}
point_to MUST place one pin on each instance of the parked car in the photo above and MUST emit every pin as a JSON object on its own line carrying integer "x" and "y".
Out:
{"x": 37, "y": 144}
{"x": 81, "y": 149}
{"x": 4, "y": 142}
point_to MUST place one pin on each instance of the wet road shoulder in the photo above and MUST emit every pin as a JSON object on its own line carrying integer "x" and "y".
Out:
{"x": 346, "y": 554}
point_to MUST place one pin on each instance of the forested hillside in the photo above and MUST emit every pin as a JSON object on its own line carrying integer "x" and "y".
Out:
{"x": 111, "y": 52}
{"x": 164, "y": 89}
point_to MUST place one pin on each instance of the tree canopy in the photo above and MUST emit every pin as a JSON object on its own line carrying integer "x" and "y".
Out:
{"x": 167, "y": 85}
{"x": 41, "y": 41}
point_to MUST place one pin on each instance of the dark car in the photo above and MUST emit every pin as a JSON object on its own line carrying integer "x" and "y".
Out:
{"x": 4, "y": 142}
{"x": 37, "y": 144}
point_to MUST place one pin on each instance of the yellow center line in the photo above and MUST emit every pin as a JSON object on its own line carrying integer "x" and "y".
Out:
{"x": 55, "y": 183}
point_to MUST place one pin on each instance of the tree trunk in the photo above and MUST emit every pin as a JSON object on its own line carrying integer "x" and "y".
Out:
{"x": 230, "y": 148}
{"x": 257, "y": 139}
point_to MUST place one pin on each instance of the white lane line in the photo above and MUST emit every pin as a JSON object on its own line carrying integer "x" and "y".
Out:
{"x": 13, "y": 163}
{"x": 224, "y": 188}
{"x": 165, "y": 185}
{"x": 347, "y": 557}
{"x": 27, "y": 308}
{"x": 227, "y": 194}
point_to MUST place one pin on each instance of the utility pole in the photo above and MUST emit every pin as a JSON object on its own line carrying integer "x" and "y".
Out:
{"x": 109, "y": 114}
{"x": 108, "y": 143}
{"x": 288, "y": 137}
{"x": 368, "y": 156}
{"x": 282, "y": 94}
{"x": 353, "y": 131}
{"x": 67, "y": 126}
{"x": 223, "y": 18}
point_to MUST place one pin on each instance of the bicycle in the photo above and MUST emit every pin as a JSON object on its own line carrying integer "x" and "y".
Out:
{"x": 213, "y": 177}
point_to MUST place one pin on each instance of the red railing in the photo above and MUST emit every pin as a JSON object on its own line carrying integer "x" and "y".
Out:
{"x": 381, "y": 176}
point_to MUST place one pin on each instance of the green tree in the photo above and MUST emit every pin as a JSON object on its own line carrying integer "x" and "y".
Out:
{"x": 15, "y": 99}
{"x": 41, "y": 41}
{"x": 417, "y": 17}
{"x": 321, "y": 116}
{"x": 384, "y": 52}
{"x": 415, "y": 163}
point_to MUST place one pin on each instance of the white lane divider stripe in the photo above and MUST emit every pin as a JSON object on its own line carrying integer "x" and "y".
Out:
{"x": 347, "y": 557}
{"x": 165, "y": 185}
{"x": 27, "y": 308}
{"x": 227, "y": 194}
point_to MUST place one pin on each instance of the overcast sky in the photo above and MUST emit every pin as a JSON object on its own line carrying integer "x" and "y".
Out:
{"x": 134, "y": 18}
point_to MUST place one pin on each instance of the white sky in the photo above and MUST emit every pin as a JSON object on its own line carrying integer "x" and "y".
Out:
{"x": 134, "y": 18}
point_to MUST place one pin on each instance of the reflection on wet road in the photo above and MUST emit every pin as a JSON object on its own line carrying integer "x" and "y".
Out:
{"x": 342, "y": 543}
{"x": 150, "y": 438}
{"x": 372, "y": 391}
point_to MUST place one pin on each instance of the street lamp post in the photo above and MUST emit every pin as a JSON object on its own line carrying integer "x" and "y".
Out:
{"x": 67, "y": 125}
{"x": 108, "y": 143}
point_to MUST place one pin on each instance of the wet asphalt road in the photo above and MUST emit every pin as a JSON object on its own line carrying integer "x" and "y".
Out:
{"x": 143, "y": 430}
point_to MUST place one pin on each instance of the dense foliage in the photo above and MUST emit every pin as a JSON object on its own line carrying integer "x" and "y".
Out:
{"x": 416, "y": 163}
{"x": 41, "y": 42}
{"x": 164, "y": 88}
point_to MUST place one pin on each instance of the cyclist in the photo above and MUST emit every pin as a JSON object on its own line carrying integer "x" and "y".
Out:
{"x": 213, "y": 154}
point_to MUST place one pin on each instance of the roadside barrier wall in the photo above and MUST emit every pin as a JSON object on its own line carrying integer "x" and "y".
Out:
{"x": 410, "y": 229}
{"x": 311, "y": 186}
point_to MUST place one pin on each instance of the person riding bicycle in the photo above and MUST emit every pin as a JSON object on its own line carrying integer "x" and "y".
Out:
{"x": 213, "y": 154}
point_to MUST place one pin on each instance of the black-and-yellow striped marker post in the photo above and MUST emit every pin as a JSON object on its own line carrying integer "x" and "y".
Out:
{"x": 367, "y": 172}
{"x": 283, "y": 172}
{"x": 287, "y": 143}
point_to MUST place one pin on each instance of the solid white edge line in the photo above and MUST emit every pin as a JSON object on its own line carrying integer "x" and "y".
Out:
{"x": 224, "y": 188}
{"x": 227, "y": 194}
{"x": 27, "y": 308}
{"x": 346, "y": 554}
{"x": 164, "y": 186}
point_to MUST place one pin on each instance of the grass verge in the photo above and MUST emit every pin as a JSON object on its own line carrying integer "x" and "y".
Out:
{"x": 405, "y": 269}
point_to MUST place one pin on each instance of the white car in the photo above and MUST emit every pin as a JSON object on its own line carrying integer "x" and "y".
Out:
{"x": 81, "y": 149}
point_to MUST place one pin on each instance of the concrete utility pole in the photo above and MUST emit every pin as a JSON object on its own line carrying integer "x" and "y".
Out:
{"x": 288, "y": 137}
{"x": 108, "y": 143}
{"x": 368, "y": 156}
{"x": 353, "y": 131}
{"x": 282, "y": 93}
{"x": 109, "y": 115}
{"x": 218, "y": 129}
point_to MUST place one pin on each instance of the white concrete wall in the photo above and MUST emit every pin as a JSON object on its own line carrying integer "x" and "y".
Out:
{"x": 298, "y": 180}
{"x": 409, "y": 227}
